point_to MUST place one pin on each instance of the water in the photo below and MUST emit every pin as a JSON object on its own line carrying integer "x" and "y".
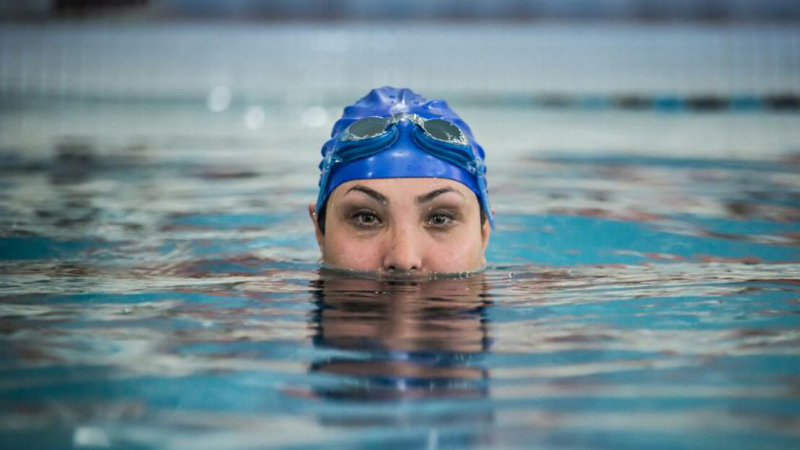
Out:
{"x": 152, "y": 299}
{"x": 162, "y": 290}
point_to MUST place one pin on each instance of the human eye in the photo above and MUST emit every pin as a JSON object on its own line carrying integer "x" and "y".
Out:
{"x": 365, "y": 219}
{"x": 441, "y": 220}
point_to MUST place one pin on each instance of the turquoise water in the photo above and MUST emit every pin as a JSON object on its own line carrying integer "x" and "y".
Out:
{"x": 153, "y": 298}
{"x": 159, "y": 282}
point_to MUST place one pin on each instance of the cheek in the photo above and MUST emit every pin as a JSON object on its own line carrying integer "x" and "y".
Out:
{"x": 462, "y": 252}
{"x": 342, "y": 250}
{"x": 456, "y": 252}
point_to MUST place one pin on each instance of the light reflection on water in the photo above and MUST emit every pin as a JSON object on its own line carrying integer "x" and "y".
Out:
{"x": 157, "y": 301}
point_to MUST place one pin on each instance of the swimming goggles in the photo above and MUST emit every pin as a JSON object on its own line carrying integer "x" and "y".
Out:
{"x": 440, "y": 138}
{"x": 373, "y": 127}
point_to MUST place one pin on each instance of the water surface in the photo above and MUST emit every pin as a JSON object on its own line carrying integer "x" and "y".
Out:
{"x": 158, "y": 299}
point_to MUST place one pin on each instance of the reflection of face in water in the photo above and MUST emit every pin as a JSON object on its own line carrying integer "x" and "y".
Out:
{"x": 411, "y": 339}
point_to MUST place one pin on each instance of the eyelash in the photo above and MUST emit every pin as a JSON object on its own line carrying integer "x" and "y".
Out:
{"x": 359, "y": 215}
{"x": 450, "y": 219}
{"x": 357, "y": 219}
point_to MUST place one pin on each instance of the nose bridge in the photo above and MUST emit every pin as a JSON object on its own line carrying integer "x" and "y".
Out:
{"x": 404, "y": 250}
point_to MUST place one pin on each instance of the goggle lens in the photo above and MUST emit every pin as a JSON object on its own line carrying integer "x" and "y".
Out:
{"x": 444, "y": 131}
{"x": 367, "y": 128}
{"x": 437, "y": 129}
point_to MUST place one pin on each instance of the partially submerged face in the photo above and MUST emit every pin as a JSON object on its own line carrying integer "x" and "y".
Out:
{"x": 399, "y": 226}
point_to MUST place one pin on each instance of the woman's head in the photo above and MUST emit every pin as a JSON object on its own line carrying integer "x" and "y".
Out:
{"x": 402, "y": 189}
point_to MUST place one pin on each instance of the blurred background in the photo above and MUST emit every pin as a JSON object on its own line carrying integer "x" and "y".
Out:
{"x": 531, "y": 76}
{"x": 430, "y": 9}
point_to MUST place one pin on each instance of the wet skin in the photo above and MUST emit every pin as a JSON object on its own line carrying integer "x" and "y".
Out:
{"x": 403, "y": 226}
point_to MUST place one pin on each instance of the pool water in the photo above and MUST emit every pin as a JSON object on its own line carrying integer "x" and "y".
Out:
{"x": 161, "y": 289}
{"x": 155, "y": 298}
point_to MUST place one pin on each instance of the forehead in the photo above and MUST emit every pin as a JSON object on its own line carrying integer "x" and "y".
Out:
{"x": 398, "y": 189}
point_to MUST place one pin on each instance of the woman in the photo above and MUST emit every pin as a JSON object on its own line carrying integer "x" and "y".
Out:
{"x": 402, "y": 189}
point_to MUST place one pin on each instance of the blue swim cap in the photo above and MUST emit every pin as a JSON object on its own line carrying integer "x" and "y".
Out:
{"x": 402, "y": 157}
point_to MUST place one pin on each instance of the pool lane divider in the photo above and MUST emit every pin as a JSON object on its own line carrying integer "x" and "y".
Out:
{"x": 662, "y": 103}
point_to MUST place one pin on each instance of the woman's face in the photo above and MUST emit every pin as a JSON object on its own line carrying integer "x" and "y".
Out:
{"x": 412, "y": 226}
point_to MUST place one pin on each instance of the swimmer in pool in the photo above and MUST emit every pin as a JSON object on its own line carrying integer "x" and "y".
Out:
{"x": 402, "y": 189}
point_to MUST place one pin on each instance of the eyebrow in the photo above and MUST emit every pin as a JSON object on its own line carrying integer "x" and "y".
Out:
{"x": 371, "y": 192}
{"x": 424, "y": 198}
